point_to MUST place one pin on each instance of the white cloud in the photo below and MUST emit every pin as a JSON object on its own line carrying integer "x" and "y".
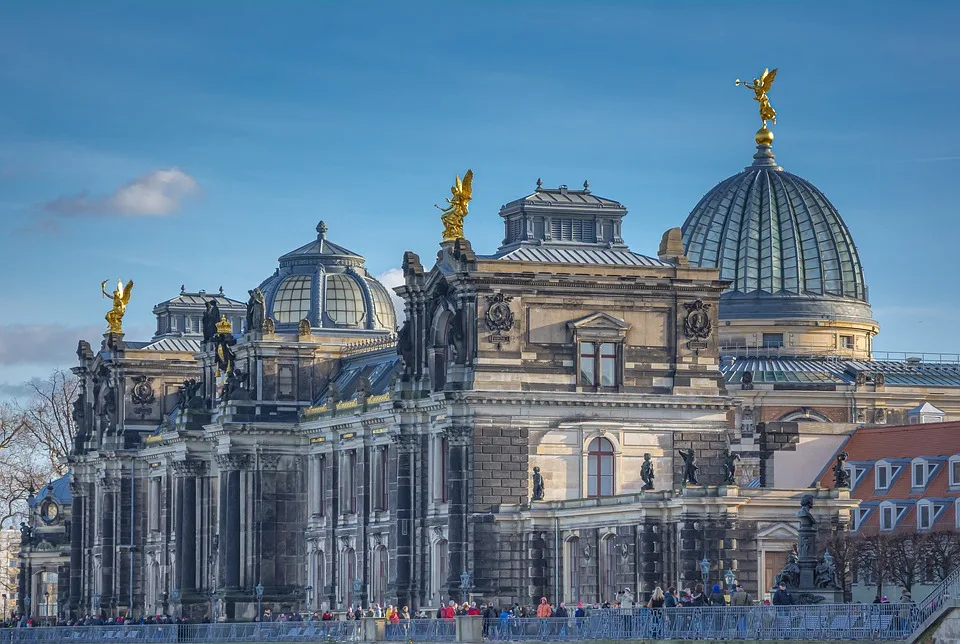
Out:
{"x": 390, "y": 279}
{"x": 157, "y": 193}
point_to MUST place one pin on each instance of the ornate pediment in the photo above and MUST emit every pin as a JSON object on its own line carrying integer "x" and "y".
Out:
{"x": 599, "y": 321}
{"x": 777, "y": 531}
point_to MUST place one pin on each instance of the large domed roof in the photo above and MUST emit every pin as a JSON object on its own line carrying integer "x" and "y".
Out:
{"x": 780, "y": 242}
{"x": 328, "y": 285}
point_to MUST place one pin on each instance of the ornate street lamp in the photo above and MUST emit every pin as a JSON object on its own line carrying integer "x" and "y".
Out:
{"x": 309, "y": 592}
{"x": 259, "y": 591}
{"x": 730, "y": 578}
{"x": 26, "y": 603}
{"x": 705, "y": 571}
{"x": 96, "y": 603}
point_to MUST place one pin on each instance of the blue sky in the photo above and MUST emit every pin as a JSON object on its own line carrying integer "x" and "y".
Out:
{"x": 193, "y": 143}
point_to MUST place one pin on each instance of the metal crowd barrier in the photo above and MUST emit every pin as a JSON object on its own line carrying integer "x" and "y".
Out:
{"x": 851, "y": 622}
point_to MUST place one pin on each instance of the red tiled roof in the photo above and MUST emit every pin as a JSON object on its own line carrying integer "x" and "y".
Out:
{"x": 902, "y": 442}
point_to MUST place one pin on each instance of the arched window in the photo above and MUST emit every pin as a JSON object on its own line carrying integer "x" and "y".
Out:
{"x": 600, "y": 468}
{"x": 348, "y": 573}
{"x": 608, "y": 569}
{"x": 292, "y": 302}
{"x": 380, "y": 574}
{"x": 438, "y": 569}
{"x": 571, "y": 565}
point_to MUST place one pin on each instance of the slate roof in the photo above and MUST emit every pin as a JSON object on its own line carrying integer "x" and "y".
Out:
{"x": 563, "y": 196}
{"x": 59, "y": 489}
{"x": 899, "y": 445}
{"x": 802, "y": 370}
{"x": 187, "y": 345}
{"x": 378, "y": 366}
{"x": 577, "y": 254}
{"x": 200, "y": 299}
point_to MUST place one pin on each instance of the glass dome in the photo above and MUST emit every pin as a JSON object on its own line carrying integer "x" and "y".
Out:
{"x": 328, "y": 285}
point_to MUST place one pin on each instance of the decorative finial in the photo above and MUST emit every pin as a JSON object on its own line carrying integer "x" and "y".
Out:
{"x": 224, "y": 327}
{"x": 760, "y": 88}
{"x": 183, "y": 289}
{"x": 457, "y": 207}
{"x": 586, "y": 186}
{"x": 221, "y": 290}
{"x": 539, "y": 183}
{"x": 321, "y": 230}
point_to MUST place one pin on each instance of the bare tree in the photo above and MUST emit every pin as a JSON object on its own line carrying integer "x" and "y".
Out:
{"x": 842, "y": 545}
{"x": 906, "y": 552}
{"x": 873, "y": 557}
{"x": 943, "y": 547}
{"x": 48, "y": 416}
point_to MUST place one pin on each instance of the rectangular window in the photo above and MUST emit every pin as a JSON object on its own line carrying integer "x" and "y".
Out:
{"x": 444, "y": 447}
{"x": 883, "y": 477}
{"x": 154, "y": 504}
{"x": 924, "y": 516}
{"x": 955, "y": 472}
{"x": 379, "y": 483}
{"x": 174, "y": 323}
{"x": 321, "y": 486}
{"x": 846, "y": 342}
{"x": 588, "y": 363}
{"x": 573, "y": 570}
{"x": 887, "y": 517}
{"x": 354, "y": 480}
{"x": 285, "y": 382}
{"x": 855, "y": 519}
{"x": 608, "y": 364}
{"x": 772, "y": 340}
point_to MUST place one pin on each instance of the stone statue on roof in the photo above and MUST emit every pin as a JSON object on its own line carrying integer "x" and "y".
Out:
{"x": 256, "y": 311}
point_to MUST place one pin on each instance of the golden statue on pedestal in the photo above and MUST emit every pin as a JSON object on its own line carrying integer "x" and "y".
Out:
{"x": 760, "y": 88}
{"x": 120, "y": 297}
{"x": 456, "y": 209}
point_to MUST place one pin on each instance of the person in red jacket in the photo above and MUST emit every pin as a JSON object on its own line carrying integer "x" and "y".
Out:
{"x": 450, "y": 611}
{"x": 473, "y": 610}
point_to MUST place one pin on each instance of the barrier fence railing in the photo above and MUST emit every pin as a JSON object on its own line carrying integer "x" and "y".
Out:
{"x": 849, "y": 622}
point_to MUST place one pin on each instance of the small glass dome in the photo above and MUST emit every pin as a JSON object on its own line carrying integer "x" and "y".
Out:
{"x": 328, "y": 285}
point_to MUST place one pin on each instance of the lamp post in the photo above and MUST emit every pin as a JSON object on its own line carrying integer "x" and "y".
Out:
{"x": 464, "y": 585}
{"x": 26, "y": 603}
{"x": 175, "y": 596}
{"x": 96, "y": 603}
{"x": 4, "y": 605}
{"x": 705, "y": 571}
{"x": 730, "y": 578}
{"x": 309, "y": 591}
{"x": 259, "y": 591}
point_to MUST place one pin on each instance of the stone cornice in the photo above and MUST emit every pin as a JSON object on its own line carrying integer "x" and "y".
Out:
{"x": 189, "y": 468}
{"x": 578, "y": 399}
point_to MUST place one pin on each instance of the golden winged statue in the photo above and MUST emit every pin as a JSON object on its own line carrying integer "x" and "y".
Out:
{"x": 120, "y": 297}
{"x": 760, "y": 88}
{"x": 457, "y": 206}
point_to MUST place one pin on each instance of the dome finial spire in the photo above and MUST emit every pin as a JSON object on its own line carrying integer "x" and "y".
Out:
{"x": 321, "y": 230}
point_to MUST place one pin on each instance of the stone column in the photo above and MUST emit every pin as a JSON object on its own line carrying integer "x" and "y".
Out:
{"x": 266, "y": 536}
{"x": 458, "y": 438}
{"x": 230, "y": 510}
{"x": 109, "y": 486}
{"x": 76, "y": 548}
{"x": 187, "y": 473}
{"x": 406, "y": 448}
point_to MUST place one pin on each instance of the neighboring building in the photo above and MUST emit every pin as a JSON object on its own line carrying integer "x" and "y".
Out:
{"x": 9, "y": 569}
{"x": 907, "y": 479}
{"x": 44, "y": 561}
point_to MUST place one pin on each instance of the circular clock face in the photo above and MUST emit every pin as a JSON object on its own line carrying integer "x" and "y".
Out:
{"x": 49, "y": 511}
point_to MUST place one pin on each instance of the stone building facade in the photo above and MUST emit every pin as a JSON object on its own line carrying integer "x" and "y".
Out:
{"x": 313, "y": 451}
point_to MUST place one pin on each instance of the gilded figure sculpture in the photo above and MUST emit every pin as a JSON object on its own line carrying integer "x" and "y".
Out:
{"x": 760, "y": 88}
{"x": 457, "y": 206}
{"x": 120, "y": 297}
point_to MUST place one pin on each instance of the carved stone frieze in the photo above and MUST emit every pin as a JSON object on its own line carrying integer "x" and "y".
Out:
{"x": 405, "y": 442}
{"x": 189, "y": 468}
{"x": 458, "y": 434}
{"x": 269, "y": 461}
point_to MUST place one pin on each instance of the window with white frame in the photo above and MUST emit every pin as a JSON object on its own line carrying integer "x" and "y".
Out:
{"x": 955, "y": 470}
{"x": 882, "y": 474}
{"x": 888, "y": 516}
{"x": 855, "y": 518}
{"x": 924, "y": 515}
{"x": 956, "y": 512}
{"x": 920, "y": 472}
{"x": 572, "y": 569}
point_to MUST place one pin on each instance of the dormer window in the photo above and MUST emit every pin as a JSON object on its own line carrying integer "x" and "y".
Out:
{"x": 955, "y": 470}
{"x": 925, "y": 512}
{"x": 920, "y": 472}
{"x": 883, "y": 475}
{"x": 889, "y": 514}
